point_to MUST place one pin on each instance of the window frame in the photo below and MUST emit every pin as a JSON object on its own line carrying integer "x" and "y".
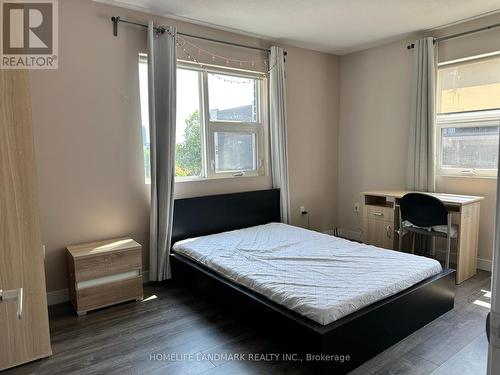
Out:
{"x": 482, "y": 118}
{"x": 209, "y": 127}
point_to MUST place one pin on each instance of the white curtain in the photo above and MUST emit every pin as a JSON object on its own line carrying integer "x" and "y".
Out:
{"x": 277, "y": 124}
{"x": 421, "y": 148}
{"x": 162, "y": 64}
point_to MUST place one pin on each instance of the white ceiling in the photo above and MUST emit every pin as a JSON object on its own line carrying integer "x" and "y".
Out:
{"x": 336, "y": 26}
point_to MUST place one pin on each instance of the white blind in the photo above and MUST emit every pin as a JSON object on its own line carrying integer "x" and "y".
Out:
{"x": 469, "y": 86}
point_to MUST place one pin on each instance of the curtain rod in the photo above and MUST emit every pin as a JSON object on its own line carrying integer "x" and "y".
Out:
{"x": 161, "y": 29}
{"x": 453, "y": 36}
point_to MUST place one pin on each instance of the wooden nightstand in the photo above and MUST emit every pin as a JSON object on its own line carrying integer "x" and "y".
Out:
{"x": 104, "y": 273}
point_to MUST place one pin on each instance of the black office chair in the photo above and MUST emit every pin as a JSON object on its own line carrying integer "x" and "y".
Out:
{"x": 426, "y": 215}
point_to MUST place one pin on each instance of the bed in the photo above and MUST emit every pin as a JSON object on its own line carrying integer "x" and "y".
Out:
{"x": 343, "y": 296}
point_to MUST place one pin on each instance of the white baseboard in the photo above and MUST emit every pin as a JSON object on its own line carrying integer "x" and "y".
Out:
{"x": 62, "y": 295}
{"x": 350, "y": 234}
{"x": 484, "y": 264}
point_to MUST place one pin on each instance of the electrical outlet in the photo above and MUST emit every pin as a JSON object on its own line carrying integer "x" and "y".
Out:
{"x": 356, "y": 207}
{"x": 302, "y": 210}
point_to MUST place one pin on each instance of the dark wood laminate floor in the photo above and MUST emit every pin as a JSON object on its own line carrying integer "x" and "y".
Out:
{"x": 176, "y": 319}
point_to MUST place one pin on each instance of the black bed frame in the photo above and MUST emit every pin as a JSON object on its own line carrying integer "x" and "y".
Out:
{"x": 360, "y": 335}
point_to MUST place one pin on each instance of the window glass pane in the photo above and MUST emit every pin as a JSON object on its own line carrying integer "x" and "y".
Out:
{"x": 470, "y": 147}
{"x": 143, "y": 91}
{"x": 232, "y": 98}
{"x": 237, "y": 100}
{"x": 188, "y": 149}
{"x": 234, "y": 151}
{"x": 469, "y": 86}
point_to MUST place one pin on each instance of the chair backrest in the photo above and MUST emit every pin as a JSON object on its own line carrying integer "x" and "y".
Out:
{"x": 423, "y": 210}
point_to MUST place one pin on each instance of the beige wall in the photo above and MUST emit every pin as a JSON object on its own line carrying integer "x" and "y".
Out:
{"x": 88, "y": 138}
{"x": 373, "y": 126}
{"x": 374, "y": 108}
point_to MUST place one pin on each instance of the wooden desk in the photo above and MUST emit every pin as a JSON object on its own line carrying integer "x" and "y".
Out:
{"x": 381, "y": 222}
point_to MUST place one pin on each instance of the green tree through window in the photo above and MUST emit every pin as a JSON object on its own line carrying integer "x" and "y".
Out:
{"x": 188, "y": 157}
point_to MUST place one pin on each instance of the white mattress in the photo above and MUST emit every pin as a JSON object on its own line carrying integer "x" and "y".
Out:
{"x": 319, "y": 276}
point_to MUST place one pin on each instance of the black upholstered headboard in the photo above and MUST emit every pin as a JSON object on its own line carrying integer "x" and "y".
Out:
{"x": 219, "y": 213}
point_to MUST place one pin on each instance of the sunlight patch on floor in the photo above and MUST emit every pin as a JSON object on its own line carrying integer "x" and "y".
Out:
{"x": 150, "y": 298}
{"x": 481, "y": 300}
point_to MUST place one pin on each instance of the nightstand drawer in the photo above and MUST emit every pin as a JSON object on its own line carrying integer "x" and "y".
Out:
{"x": 107, "y": 264}
{"x": 109, "y": 294}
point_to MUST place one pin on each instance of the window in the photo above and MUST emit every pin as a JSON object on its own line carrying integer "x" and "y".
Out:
{"x": 143, "y": 91}
{"x": 468, "y": 143}
{"x": 220, "y": 123}
{"x": 468, "y": 103}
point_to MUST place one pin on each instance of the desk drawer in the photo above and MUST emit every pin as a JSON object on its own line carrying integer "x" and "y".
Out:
{"x": 107, "y": 264}
{"x": 380, "y": 213}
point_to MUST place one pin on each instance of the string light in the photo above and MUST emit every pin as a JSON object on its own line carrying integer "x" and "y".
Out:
{"x": 228, "y": 60}
{"x": 181, "y": 43}
{"x": 218, "y": 76}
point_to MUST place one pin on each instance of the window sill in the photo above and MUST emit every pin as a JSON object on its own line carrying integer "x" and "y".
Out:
{"x": 450, "y": 175}
{"x": 221, "y": 178}
{"x": 202, "y": 179}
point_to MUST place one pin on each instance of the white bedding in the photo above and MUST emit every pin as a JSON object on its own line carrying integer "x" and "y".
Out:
{"x": 319, "y": 276}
